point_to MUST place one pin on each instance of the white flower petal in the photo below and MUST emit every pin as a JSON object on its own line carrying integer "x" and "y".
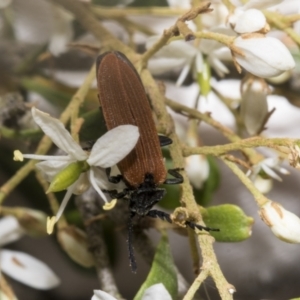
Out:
{"x": 113, "y": 146}
{"x": 50, "y": 168}
{"x": 58, "y": 133}
{"x": 160, "y": 65}
{"x": 10, "y": 230}
{"x": 217, "y": 65}
{"x": 176, "y": 49}
{"x": 183, "y": 74}
{"x": 199, "y": 62}
{"x": 270, "y": 172}
{"x": 250, "y": 21}
{"x": 157, "y": 292}
{"x": 28, "y": 270}
{"x": 284, "y": 224}
{"x": 62, "y": 32}
{"x": 263, "y": 56}
{"x": 100, "y": 295}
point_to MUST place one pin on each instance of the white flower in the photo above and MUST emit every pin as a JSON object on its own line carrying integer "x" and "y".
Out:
{"x": 254, "y": 105}
{"x": 21, "y": 266}
{"x": 178, "y": 54}
{"x": 267, "y": 165}
{"x": 284, "y": 224}
{"x": 156, "y": 291}
{"x": 181, "y": 54}
{"x": 262, "y": 56}
{"x": 106, "y": 152}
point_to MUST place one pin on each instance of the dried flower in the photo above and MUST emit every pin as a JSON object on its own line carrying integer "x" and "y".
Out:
{"x": 284, "y": 224}
{"x": 254, "y": 105}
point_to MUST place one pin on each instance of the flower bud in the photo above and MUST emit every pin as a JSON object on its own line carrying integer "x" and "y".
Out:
{"x": 262, "y": 56}
{"x": 284, "y": 224}
{"x": 264, "y": 185}
{"x": 196, "y": 166}
{"x": 10, "y": 230}
{"x": 254, "y": 106}
{"x": 73, "y": 241}
{"x": 31, "y": 220}
{"x": 251, "y": 20}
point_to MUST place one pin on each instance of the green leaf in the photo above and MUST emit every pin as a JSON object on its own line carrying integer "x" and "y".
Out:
{"x": 162, "y": 270}
{"x": 204, "y": 196}
{"x": 234, "y": 224}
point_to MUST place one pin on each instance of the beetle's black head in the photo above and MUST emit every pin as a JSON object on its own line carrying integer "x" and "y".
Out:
{"x": 145, "y": 196}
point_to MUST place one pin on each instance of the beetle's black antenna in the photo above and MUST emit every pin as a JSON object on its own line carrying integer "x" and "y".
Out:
{"x": 166, "y": 217}
{"x": 132, "y": 261}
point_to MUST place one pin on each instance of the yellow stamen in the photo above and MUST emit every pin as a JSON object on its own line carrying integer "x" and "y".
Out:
{"x": 18, "y": 156}
{"x": 50, "y": 224}
{"x": 110, "y": 205}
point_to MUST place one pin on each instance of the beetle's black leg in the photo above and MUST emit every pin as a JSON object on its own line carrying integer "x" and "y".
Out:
{"x": 113, "y": 179}
{"x": 166, "y": 217}
{"x": 200, "y": 227}
{"x": 132, "y": 261}
{"x": 164, "y": 140}
{"x": 115, "y": 195}
{"x": 159, "y": 214}
{"x": 178, "y": 177}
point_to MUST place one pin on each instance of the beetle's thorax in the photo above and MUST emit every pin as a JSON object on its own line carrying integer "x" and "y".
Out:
{"x": 145, "y": 196}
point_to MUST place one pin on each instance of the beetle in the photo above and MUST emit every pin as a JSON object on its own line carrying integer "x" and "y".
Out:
{"x": 123, "y": 101}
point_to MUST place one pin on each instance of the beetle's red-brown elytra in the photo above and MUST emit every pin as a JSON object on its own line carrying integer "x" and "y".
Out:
{"x": 124, "y": 101}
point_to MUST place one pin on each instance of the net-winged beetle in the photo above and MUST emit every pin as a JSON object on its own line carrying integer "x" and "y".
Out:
{"x": 124, "y": 101}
